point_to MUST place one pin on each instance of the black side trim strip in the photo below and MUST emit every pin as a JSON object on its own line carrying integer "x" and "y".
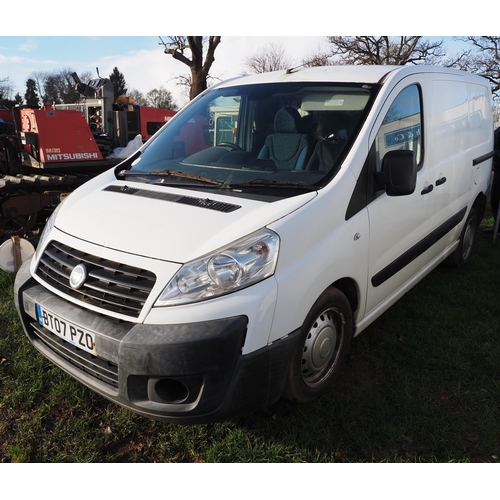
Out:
{"x": 480, "y": 159}
{"x": 417, "y": 250}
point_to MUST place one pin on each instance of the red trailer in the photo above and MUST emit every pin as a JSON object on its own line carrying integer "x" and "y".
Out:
{"x": 48, "y": 151}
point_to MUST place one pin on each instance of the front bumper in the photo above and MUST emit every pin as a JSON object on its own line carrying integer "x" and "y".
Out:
{"x": 188, "y": 373}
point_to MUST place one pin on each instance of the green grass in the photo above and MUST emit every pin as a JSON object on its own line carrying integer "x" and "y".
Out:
{"x": 422, "y": 384}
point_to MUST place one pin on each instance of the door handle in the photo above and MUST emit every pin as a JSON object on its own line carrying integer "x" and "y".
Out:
{"x": 428, "y": 189}
{"x": 440, "y": 181}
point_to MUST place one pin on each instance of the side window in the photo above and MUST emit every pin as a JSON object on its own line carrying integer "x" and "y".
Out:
{"x": 225, "y": 129}
{"x": 401, "y": 128}
{"x": 223, "y": 119}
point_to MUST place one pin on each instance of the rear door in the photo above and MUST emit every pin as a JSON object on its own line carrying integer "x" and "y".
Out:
{"x": 459, "y": 122}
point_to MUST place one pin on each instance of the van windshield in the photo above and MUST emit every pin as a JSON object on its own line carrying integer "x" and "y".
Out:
{"x": 269, "y": 139}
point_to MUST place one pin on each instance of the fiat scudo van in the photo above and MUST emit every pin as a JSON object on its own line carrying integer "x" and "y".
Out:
{"x": 231, "y": 259}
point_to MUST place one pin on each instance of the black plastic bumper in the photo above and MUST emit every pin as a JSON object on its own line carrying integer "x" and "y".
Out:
{"x": 187, "y": 373}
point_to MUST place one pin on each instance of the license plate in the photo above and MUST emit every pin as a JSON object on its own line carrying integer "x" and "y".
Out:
{"x": 77, "y": 336}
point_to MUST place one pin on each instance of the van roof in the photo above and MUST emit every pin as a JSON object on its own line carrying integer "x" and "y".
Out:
{"x": 340, "y": 73}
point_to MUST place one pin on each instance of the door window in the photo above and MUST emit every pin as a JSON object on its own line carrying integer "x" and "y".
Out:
{"x": 402, "y": 126}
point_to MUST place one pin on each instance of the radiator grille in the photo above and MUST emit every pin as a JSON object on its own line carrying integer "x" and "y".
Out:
{"x": 97, "y": 368}
{"x": 110, "y": 285}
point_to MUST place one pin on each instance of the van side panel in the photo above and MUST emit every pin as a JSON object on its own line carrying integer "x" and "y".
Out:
{"x": 460, "y": 130}
{"x": 457, "y": 129}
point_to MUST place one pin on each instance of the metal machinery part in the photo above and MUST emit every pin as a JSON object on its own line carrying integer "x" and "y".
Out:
{"x": 47, "y": 152}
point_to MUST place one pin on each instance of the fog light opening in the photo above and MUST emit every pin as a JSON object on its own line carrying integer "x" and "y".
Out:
{"x": 171, "y": 391}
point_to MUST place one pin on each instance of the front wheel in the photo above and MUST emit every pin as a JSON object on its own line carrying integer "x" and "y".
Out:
{"x": 325, "y": 339}
{"x": 461, "y": 256}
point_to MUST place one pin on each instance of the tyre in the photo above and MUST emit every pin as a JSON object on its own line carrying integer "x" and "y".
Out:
{"x": 322, "y": 348}
{"x": 462, "y": 255}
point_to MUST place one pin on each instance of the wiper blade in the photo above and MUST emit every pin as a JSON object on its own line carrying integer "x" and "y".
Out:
{"x": 184, "y": 175}
{"x": 270, "y": 183}
{"x": 169, "y": 173}
{"x": 132, "y": 173}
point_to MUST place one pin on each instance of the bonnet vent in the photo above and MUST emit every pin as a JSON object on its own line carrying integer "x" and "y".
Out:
{"x": 175, "y": 198}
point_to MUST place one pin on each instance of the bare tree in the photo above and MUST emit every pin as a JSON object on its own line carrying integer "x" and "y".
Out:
{"x": 272, "y": 57}
{"x": 484, "y": 58}
{"x": 318, "y": 58}
{"x": 385, "y": 50}
{"x": 161, "y": 98}
{"x": 6, "y": 88}
{"x": 57, "y": 86}
{"x": 138, "y": 96}
{"x": 6, "y": 94}
{"x": 181, "y": 47}
{"x": 184, "y": 82}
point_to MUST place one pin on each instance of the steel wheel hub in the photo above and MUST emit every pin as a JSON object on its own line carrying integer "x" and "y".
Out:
{"x": 320, "y": 348}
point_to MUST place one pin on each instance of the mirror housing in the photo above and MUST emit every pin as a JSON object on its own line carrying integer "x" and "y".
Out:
{"x": 399, "y": 173}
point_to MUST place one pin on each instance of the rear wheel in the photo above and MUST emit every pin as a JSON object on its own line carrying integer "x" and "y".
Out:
{"x": 461, "y": 256}
{"x": 325, "y": 339}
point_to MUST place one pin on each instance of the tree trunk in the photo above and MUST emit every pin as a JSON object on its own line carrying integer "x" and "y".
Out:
{"x": 198, "y": 82}
{"x": 199, "y": 68}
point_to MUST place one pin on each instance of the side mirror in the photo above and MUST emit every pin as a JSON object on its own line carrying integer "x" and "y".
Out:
{"x": 399, "y": 173}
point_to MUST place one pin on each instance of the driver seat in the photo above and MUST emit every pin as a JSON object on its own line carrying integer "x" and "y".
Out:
{"x": 287, "y": 147}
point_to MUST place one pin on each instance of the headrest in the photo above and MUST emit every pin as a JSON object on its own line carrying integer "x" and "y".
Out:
{"x": 334, "y": 124}
{"x": 287, "y": 121}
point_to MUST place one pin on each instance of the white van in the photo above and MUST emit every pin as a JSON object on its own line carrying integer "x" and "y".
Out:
{"x": 231, "y": 259}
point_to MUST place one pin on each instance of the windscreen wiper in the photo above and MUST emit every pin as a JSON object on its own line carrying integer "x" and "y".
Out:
{"x": 169, "y": 173}
{"x": 257, "y": 183}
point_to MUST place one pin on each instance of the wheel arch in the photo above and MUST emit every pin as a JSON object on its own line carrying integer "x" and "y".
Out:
{"x": 350, "y": 289}
{"x": 479, "y": 206}
{"x": 322, "y": 346}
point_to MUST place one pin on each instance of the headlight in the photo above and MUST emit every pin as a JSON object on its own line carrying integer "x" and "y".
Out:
{"x": 242, "y": 264}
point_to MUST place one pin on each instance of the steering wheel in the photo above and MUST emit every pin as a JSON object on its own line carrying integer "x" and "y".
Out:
{"x": 231, "y": 146}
